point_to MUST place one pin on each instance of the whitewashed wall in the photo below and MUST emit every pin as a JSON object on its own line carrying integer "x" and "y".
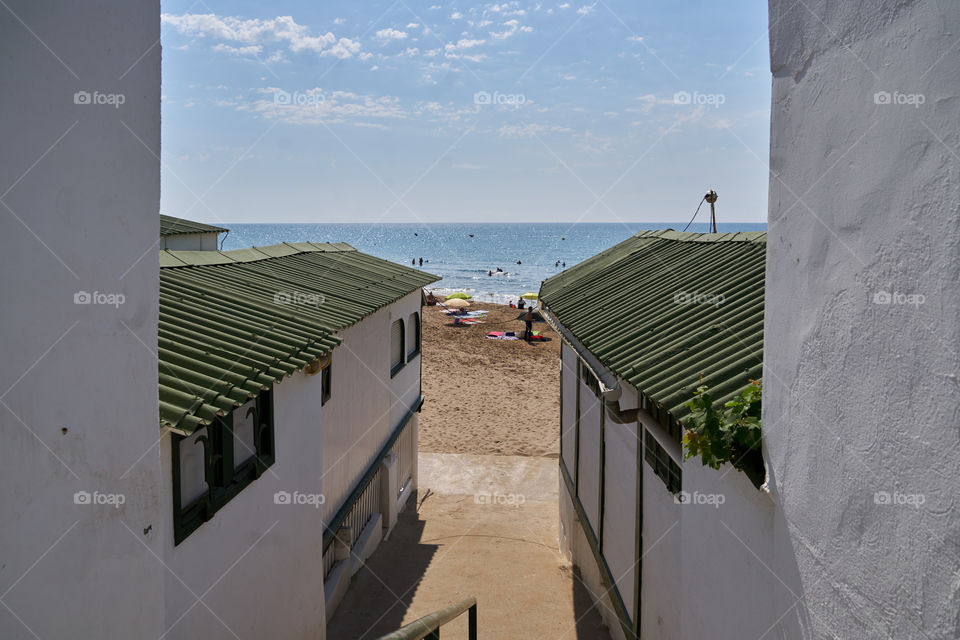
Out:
{"x": 257, "y": 565}
{"x": 620, "y": 510}
{"x": 568, "y": 416}
{"x": 190, "y": 242}
{"x": 861, "y": 394}
{"x": 366, "y": 403}
{"x": 588, "y": 477}
{"x": 726, "y": 537}
{"x": 78, "y": 388}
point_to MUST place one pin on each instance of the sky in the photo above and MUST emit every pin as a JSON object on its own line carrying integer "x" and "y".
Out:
{"x": 436, "y": 111}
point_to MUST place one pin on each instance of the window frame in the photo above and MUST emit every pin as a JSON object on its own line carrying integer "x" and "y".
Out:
{"x": 224, "y": 481}
{"x": 395, "y": 368}
{"x": 418, "y": 336}
{"x": 663, "y": 466}
{"x": 326, "y": 384}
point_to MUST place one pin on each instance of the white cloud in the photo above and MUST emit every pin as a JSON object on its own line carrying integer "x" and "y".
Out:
{"x": 635, "y": 39}
{"x": 248, "y": 50}
{"x": 314, "y": 106}
{"x": 565, "y": 5}
{"x": 434, "y": 7}
{"x": 413, "y": 25}
{"x": 282, "y": 30}
{"x": 585, "y": 9}
{"x": 339, "y": 20}
{"x": 528, "y": 131}
{"x": 385, "y": 35}
{"x": 464, "y": 43}
{"x": 456, "y": 15}
{"x": 512, "y": 27}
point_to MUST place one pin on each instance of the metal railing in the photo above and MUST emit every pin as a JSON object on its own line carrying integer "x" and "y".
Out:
{"x": 429, "y": 625}
{"x": 404, "y": 451}
{"x": 364, "y": 501}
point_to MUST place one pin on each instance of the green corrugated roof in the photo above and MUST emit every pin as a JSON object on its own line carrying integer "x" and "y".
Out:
{"x": 170, "y": 226}
{"x": 624, "y": 306}
{"x": 224, "y": 334}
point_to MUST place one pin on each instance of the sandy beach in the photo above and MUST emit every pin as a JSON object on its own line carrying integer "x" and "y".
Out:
{"x": 494, "y": 397}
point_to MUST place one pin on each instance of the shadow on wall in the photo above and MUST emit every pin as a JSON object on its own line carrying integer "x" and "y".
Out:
{"x": 382, "y": 591}
{"x": 589, "y": 621}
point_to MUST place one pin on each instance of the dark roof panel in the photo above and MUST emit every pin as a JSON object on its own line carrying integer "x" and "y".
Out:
{"x": 668, "y": 311}
{"x": 232, "y": 323}
{"x": 170, "y": 226}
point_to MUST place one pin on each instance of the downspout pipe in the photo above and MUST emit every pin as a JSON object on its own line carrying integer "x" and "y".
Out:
{"x": 610, "y": 389}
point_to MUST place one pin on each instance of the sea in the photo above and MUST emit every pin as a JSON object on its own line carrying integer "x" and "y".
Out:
{"x": 493, "y": 262}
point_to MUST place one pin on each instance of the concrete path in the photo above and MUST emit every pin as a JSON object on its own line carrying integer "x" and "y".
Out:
{"x": 484, "y": 526}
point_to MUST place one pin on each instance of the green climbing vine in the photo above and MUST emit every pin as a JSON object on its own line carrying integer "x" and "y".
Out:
{"x": 729, "y": 434}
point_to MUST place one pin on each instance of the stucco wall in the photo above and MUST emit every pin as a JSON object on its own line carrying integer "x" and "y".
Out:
{"x": 860, "y": 401}
{"x": 80, "y": 199}
{"x": 366, "y": 403}
{"x": 190, "y": 242}
{"x": 257, "y": 564}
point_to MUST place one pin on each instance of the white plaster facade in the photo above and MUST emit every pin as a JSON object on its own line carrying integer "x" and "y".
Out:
{"x": 78, "y": 382}
{"x": 861, "y": 392}
{"x": 190, "y": 241}
{"x": 702, "y": 564}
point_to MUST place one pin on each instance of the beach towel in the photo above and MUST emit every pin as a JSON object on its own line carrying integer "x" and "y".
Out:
{"x": 500, "y": 335}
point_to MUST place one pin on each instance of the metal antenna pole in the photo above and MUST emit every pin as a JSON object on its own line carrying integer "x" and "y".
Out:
{"x": 711, "y": 197}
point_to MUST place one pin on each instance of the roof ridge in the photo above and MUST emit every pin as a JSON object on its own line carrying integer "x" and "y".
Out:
{"x": 174, "y": 258}
{"x": 693, "y": 236}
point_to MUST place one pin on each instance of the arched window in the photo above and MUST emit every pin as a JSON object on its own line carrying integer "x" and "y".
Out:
{"x": 396, "y": 347}
{"x": 413, "y": 336}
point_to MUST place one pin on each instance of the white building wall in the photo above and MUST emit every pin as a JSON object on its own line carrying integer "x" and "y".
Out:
{"x": 588, "y": 478}
{"x": 861, "y": 398}
{"x": 366, "y": 404}
{"x": 256, "y": 566}
{"x": 190, "y": 242}
{"x": 80, "y": 200}
{"x": 568, "y": 415}
{"x": 726, "y": 538}
{"x": 620, "y": 509}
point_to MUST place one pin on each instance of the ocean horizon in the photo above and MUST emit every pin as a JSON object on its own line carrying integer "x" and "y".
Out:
{"x": 468, "y": 255}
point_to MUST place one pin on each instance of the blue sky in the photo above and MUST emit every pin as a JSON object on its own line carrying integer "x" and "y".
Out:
{"x": 293, "y": 111}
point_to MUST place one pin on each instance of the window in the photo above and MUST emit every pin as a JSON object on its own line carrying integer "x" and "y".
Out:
{"x": 326, "y": 383}
{"x": 217, "y": 462}
{"x": 661, "y": 463}
{"x": 589, "y": 379}
{"x": 396, "y": 347}
{"x": 413, "y": 336}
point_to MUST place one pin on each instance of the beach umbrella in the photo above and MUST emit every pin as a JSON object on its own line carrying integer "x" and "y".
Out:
{"x": 456, "y": 303}
{"x": 529, "y": 296}
{"x": 459, "y": 294}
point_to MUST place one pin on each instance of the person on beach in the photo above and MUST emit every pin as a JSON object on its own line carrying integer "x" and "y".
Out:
{"x": 528, "y": 321}
{"x": 521, "y": 303}
{"x": 431, "y": 299}
{"x": 512, "y": 306}
{"x": 421, "y": 262}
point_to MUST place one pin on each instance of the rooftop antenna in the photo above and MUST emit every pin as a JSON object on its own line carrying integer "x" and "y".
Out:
{"x": 711, "y": 197}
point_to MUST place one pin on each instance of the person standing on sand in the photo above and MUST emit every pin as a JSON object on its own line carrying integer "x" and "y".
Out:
{"x": 528, "y": 321}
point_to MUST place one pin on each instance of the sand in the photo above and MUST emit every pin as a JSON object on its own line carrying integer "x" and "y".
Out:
{"x": 492, "y": 397}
